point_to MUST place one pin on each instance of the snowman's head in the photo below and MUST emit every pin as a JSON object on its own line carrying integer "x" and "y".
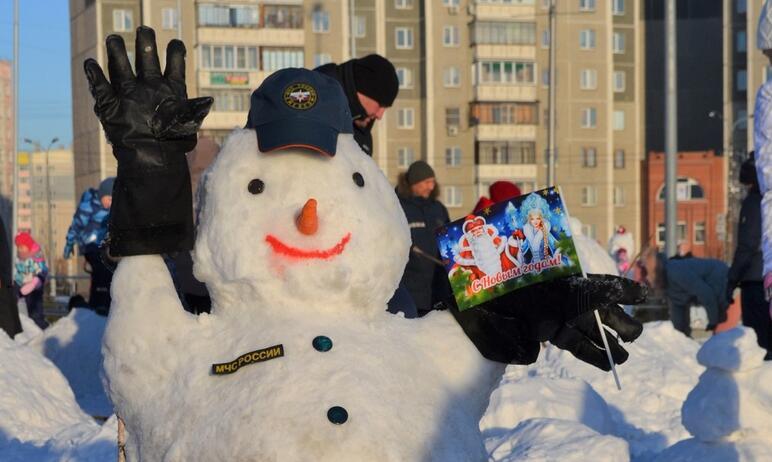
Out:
{"x": 296, "y": 229}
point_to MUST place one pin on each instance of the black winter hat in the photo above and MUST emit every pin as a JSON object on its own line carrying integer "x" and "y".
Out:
{"x": 375, "y": 76}
{"x": 418, "y": 171}
{"x": 748, "y": 172}
{"x": 106, "y": 187}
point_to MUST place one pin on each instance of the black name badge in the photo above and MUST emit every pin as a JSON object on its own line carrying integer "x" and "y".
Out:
{"x": 257, "y": 356}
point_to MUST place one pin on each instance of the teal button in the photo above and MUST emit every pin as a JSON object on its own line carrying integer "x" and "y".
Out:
{"x": 337, "y": 415}
{"x": 322, "y": 343}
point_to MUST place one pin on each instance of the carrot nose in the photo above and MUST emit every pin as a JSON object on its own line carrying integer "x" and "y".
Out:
{"x": 307, "y": 221}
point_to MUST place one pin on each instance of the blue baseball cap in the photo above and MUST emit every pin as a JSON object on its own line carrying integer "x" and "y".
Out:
{"x": 299, "y": 108}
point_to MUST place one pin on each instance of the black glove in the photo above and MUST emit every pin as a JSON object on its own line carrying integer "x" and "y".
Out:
{"x": 151, "y": 125}
{"x": 510, "y": 327}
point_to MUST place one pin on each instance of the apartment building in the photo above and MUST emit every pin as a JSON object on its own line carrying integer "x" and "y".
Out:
{"x": 6, "y": 143}
{"x": 600, "y": 111}
{"x": 472, "y": 95}
{"x": 42, "y": 175}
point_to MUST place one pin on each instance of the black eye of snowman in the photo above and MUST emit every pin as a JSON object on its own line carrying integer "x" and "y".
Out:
{"x": 359, "y": 180}
{"x": 256, "y": 186}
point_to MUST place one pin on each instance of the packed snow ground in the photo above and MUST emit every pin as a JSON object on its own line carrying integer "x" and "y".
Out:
{"x": 556, "y": 408}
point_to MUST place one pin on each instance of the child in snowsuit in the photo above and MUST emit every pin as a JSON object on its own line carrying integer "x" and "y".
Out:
{"x": 88, "y": 230}
{"x": 30, "y": 275}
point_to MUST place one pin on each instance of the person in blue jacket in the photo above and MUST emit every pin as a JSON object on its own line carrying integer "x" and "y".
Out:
{"x": 88, "y": 229}
{"x": 689, "y": 281}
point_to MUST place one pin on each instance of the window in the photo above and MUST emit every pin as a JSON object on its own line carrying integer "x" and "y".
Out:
{"x": 681, "y": 231}
{"x": 405, "y": 117}
{"x": 405, "y": 77}
{"x": 282, "y": 16}
{"x": 281, "y": 58}
{"x": 699, "y": 232}
{"x": 589, "y": 196}
{"x": 619, "y": 196}
{"x": 741, "y": 43}
{"x": 403, "y": 4}
{"x": 123, "y": 20}
{"x": 228, "y": 16}
{"x": 505, "y": 113}
{"x": 619, "y": 120}
{"x": 545, "y": 39}
{"x": 504, "y": 33}
{"x": 405, "y": 157}
{"x": 451, "y": 77}
{"x": 321, "y": 21}
{"x": 450, "y": 37}
{"x": 452, "y": 117}
{"x": 619, "y": 158}
{"x": 687, "y": 189}
{"x": 742, "y": 7}
{"x": 619, "y": 43}
{"x": 228, "y": 100}
{"x": 506, "y": 152}
{"x": 320, "y": 59}
{"x": 589, "y": 230}
{"x": 450, "y": 2}
{"x": 506, "y": 72}
{"x": 742, "y": 80}
{"x": 589, "y": 117}
{"x": 228, "y": 57}
{"x": 586, "y": 5}
{"x": 168, "y": 18}
{"x": 588, "y": 79}
{"x": 360, "y": 26}
{"x": 618, "y": 7}
{"x": 587, "y": 39}
{"x": 404, "y": 38}
{"x": 453, "y": 156}
{"x": 620, "y": 83}
{"x": 452, "y": 196}
{"x": 589, "y": 157}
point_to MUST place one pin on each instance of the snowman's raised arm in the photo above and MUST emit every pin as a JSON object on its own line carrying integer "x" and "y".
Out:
{"x": 146, "y": 315}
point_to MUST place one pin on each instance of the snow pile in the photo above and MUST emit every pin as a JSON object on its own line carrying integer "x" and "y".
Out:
{"x": 39, "y": 418}
{"x": 74, "y": 345}
{"x": 30, "y": 330}
{"x": 729, "y": 412}
{"x": 592, "y": 256}
{"x": 549, "y": 418}
{"x": 646, "y": 413}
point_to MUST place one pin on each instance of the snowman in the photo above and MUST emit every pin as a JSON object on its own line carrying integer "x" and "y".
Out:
{"x": 299, "y": 359}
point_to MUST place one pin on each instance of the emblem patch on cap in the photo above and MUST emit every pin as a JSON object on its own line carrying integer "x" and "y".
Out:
{"x": 300, "y": 96}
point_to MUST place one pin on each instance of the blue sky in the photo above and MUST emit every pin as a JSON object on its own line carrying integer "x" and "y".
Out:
{"x": 45, "y": 104}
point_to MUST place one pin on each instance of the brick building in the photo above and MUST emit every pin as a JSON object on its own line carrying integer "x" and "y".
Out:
{"x": 701, "y": 195}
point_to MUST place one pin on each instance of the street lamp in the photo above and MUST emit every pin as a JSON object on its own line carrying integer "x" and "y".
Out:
{"x": 51, "y": 247}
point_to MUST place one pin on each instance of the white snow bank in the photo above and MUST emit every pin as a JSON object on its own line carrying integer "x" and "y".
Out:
{"x": 30, "y": 330}
{"x": 74, "y": 345}
{"x": 559, "y": 398}
{"x": 593, "y": 258}
{"x": 39, "y": 418}
{"x": 554, "y": 439}
{"x": 655, "y": 381}
{"x": 751, "y": 448}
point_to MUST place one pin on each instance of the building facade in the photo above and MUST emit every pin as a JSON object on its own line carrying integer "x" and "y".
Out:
{"x": 472, "y": 98}
{"x": 6, "y": 143}
{"x": 700, "y": 194}
{"x": 43, "y": 175}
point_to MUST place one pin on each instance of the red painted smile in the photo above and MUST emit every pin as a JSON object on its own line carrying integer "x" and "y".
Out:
{"x": 289, "y": 251}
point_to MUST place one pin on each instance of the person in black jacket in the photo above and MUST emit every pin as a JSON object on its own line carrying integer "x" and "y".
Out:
{"x": 151, "y": 124}
{"x": 371, "y": 86}
{"x": 9, "y": 310}
{"x": 424, "y": 275}
{"x": 746, "y": 269}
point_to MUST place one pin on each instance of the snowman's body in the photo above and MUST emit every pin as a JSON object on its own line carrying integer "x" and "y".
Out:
{"x": 414, "y": 390}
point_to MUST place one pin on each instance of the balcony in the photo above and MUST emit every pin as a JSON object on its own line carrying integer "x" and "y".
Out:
{"x": 498, "y": 11}
{"x": 263, "y": 36}
{"x": 498, "y": 92}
